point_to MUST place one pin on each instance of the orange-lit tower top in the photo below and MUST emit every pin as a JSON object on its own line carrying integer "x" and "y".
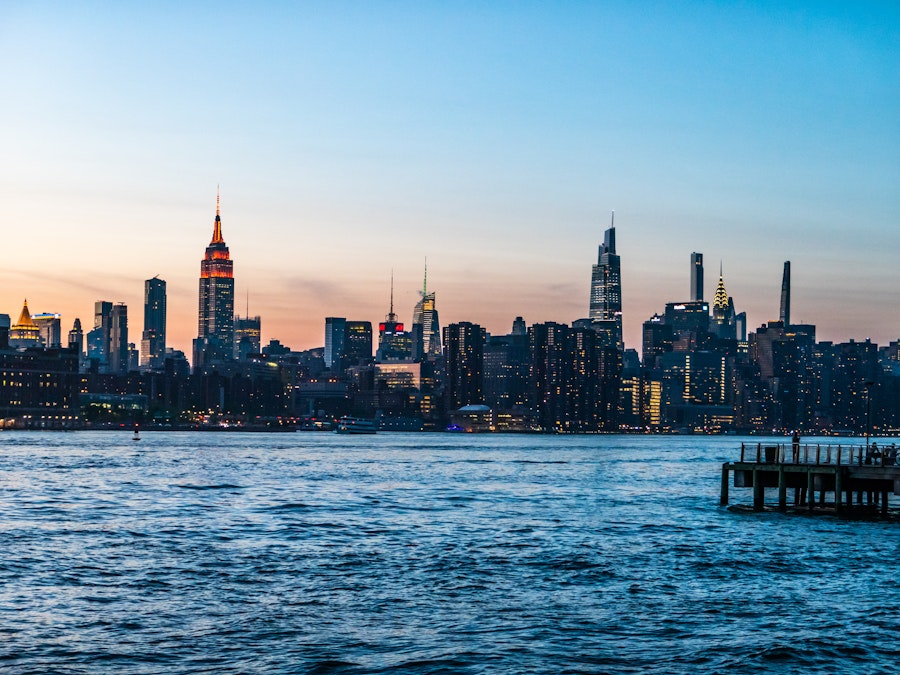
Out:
{"x": 216, "y": 310}
{"x": 217, "y": 261}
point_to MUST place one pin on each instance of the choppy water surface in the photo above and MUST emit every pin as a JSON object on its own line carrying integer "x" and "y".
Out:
{"x": 422, "y": 553}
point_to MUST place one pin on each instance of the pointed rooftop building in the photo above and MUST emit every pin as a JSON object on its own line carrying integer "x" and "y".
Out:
{"x": 215, "y": 330}
{"x": 426, "y": 328}
{"x": 25, "y": 332}
{"x": 606, "y": 291}
{"x": 726, "y": 324}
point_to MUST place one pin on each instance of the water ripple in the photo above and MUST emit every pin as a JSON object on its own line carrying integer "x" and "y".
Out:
{"x": 418, "y": 553}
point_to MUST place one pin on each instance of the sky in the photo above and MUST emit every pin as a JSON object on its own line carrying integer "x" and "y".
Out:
{"x": 354, "y": 140}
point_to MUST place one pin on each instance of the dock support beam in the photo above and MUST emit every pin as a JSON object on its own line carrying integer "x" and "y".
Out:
{"x": 782, "y": 489}
{"x": 723, "y": 497}
{"x": 758, "y": 493}
{"x": 838, "y": 490}
{"x": 810, "y": 492}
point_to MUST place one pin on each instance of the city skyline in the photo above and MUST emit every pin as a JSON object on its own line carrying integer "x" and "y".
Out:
{"x": 493, "y": 142}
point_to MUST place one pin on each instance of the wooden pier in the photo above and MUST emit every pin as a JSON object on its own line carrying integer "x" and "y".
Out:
{"x": 858, "y": 483}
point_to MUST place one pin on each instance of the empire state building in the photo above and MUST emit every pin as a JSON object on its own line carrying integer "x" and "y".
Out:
{"x": 215, "y": 336}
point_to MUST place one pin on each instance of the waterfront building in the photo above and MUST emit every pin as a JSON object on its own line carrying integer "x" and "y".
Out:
{"x": 153, "y": 338}
{"x": 548, "y": 347}
{"x": 464, "y": 362}
{"x": 506, "y": 368}
{"x": 215, "y": 335}
{"x": 39, "y": 388}
{"x": 606, "y": 291}
{"x": 25, "y": 332}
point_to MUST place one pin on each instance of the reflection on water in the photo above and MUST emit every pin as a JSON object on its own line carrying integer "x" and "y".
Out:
{"x": 421, "y": 553}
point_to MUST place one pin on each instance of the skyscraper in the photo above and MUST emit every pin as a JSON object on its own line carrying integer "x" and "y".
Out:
{"x": 335, "y": 333}
{"x": 394, "y": 343}
{"x": 606, "y": 291}
{"x": 118, "y": 339}
{"x": 696, "y": 277}
{"x": 426, "y": 327}
{"x": 76, "y": 337}
{"x": 25, "y": 332}
{"x": 785, "y": 313}
{"x": 215, "y": 336}
{"x": 49, "y": 324}
{"x": 247, "y": 336}
{"x": 153, "y": 339}
{"x": 464, "y": 352}
{"x": 724, "y": 322}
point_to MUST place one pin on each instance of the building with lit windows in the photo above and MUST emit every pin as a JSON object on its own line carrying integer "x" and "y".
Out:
{"x": 50, "y": 327}
{"x": 247, "y": 336}
{"x": 696, "y": 277}
{"x": 394, "y": 342}
{"x": 25, "y": 332}
{"x": 426, "y": 332}
{"x": 215, "y": 335}
{"x": 464, "y": 356}
{"x": 153, "y": 338}
{"x": 606, "y": 292}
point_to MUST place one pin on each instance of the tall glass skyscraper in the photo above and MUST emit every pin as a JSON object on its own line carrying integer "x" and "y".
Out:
{"x": 215, "y": 335}
{"x": 426, "y": 326}
{"x": 606, "y": 292}
{"x": 153, "y": 339}
{"x": 696, "y": 277}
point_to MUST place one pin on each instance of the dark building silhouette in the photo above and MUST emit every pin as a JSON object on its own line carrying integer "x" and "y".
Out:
{"x": 118, "y": 339}
{"x": 347, "y": 343}
{"x": 153, "y": 338}
{"x": 785, "y": 312}
{"x": 464, "y": 362}
{"x": 696, "y": 277}
{"x": 247, "y": 336}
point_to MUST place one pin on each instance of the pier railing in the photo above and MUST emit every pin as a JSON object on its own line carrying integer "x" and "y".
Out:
{"x": 817, "y": 454}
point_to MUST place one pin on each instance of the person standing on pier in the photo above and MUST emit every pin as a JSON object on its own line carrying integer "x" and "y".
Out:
{"x": 795, "y": 447}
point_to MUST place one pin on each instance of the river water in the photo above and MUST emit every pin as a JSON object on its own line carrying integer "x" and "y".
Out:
{"x": 423, "y": 553}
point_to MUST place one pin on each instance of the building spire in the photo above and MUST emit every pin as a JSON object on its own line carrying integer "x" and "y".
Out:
{"x": 217, "y": 227}
{"x": 425, "y": 280}
{"x": 391, "y": 317}
{"x": 720, "y": 301}
{"x": 612, "y": 220}
{"x": 785, "y": 313}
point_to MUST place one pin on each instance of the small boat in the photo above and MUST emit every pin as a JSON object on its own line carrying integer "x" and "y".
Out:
{"x": 355, "y": 425}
